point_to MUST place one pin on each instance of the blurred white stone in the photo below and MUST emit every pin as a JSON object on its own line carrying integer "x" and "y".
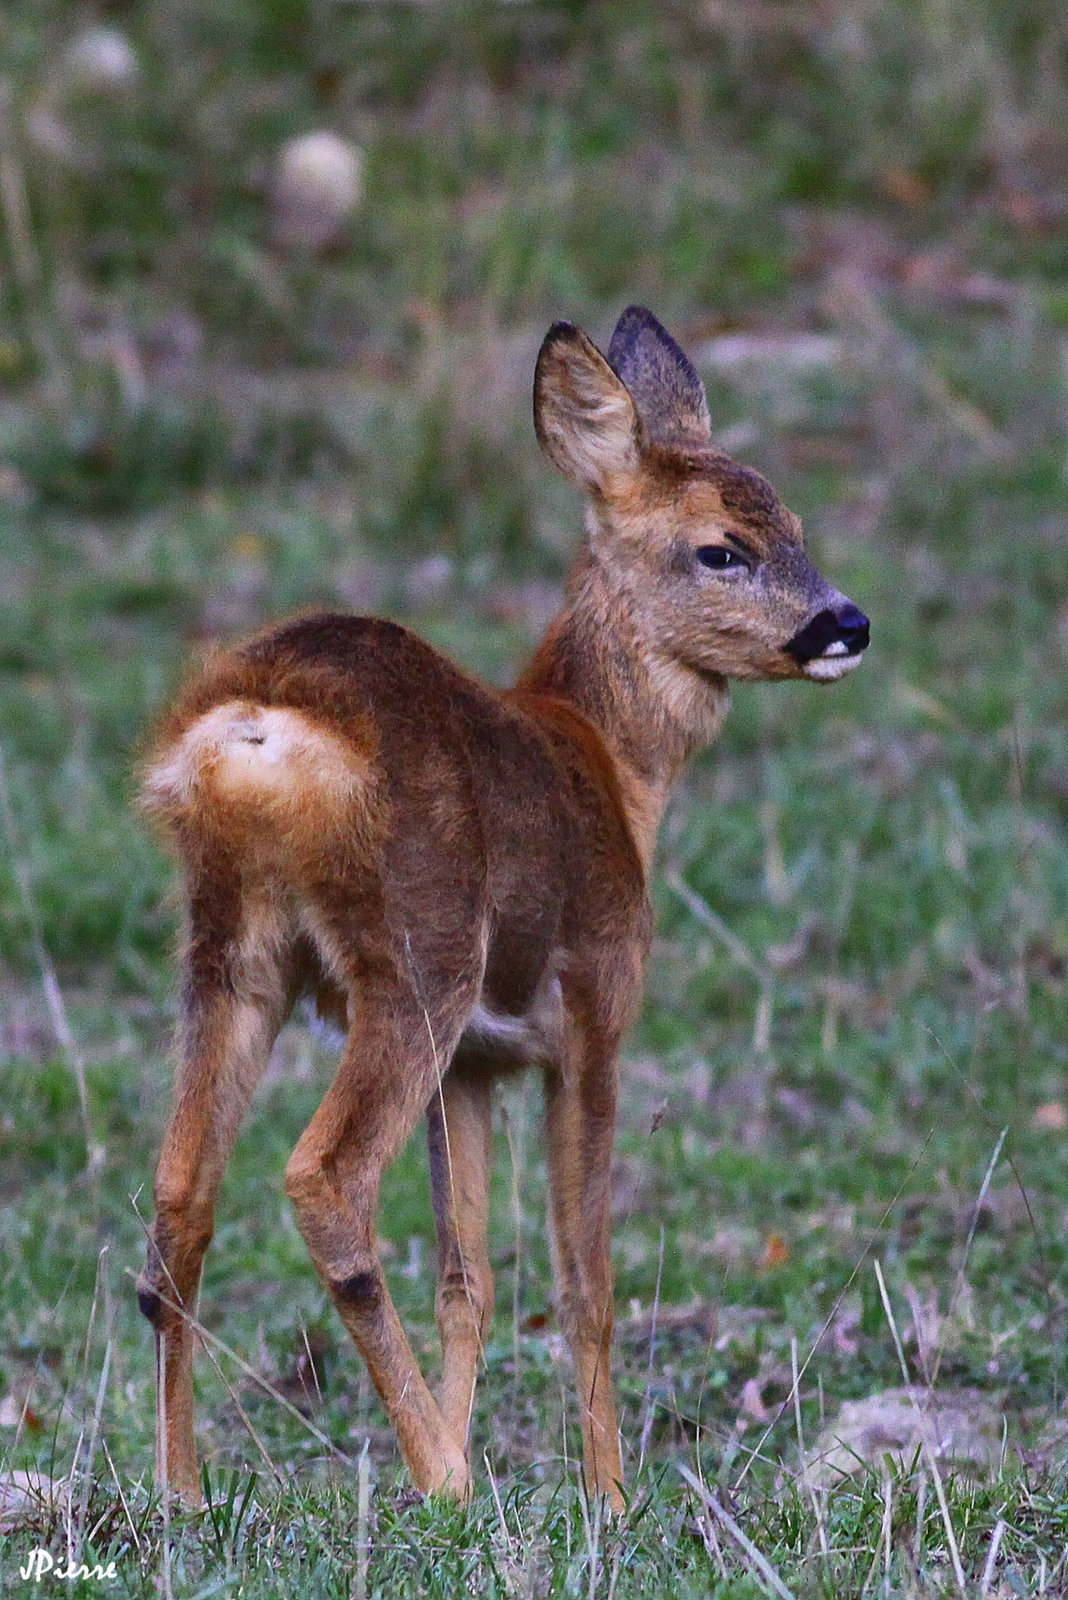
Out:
{"x": 961, "y": 1429}
{"x": 792, "y": 352}
{"x": 318, "y": 183}
{"x": 50, "y": 133}
{"x": 101, "y": 60}
{"x": 27, "y": 1497}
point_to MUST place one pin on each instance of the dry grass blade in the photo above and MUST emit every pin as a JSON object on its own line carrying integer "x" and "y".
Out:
{"x": 852, "y": 299}
{"x": 947, "y": 1521}
{"x": 892, "y": 1323}
{"x": 759, "y": 1563}
{"x": 703, "y": 913}
{"x": 161, "y": 1467}
{"x": 26, "y": 257}
{"x": 977, "y": 1212}
{"x": 648, "y": 1404}
{"x": 57, "y": 1010}
{"x": 313, "y": 1365}
{"x": 363, "y": 1543}
{"x": 925, "y": 1435}
{"x": 246, "y": 1420}
{"x": 710, "y": 1540}
{"x": 992, "y": 1556}
{"x": 505, "y": 1535}
{"x": 818, "y": 1508}
{"x": 210, "y": 1339}
{"x": 130, "y": 1523}
{"x": 77, "y": 1529}
{"x": 883, "y": 1548}
{"x": 592, "y": 1507}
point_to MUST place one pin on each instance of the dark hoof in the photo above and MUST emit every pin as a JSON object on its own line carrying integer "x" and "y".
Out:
{"x": 151, "y": 1305}
{"x": 361, "y": 1291}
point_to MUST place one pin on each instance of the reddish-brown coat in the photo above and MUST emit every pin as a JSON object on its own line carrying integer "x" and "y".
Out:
{"x": 459, "y": 877}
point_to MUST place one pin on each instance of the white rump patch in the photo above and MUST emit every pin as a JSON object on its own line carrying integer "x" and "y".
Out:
{"x": 242, "y": 749}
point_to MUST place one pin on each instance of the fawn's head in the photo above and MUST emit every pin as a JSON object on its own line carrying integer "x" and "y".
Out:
{"x": 711, "y": 562}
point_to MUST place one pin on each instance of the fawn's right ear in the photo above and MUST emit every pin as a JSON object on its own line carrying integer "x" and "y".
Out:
{"x": 584, "y": 417}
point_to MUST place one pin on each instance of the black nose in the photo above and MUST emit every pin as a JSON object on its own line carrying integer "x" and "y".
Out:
{"x": 843, "y": 624}
{"x": 853, "y": 628}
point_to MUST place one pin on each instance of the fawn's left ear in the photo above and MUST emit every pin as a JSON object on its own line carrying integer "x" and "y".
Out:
{"x": 585, "y": 419}
{"x": 667, "y": 391}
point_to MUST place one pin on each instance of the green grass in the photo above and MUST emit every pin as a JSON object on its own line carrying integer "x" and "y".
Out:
{"x": 854, "y": 1029}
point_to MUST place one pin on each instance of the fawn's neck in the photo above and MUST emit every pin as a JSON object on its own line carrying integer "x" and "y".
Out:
{"x": 651, "y": 713}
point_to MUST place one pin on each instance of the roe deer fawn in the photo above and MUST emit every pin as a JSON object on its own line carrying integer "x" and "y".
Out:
{"x": 458, "y": 876}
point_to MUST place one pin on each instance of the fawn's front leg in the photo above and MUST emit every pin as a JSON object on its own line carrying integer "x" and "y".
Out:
{"x": 580, "y": 1119}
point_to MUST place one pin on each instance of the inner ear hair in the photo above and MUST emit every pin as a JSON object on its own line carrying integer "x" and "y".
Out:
{"x": 585, "y": 419}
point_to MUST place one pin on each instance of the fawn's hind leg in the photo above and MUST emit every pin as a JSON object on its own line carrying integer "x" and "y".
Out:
{"x": 389, "y": 1071}
{"x": 235, "y": 1001}
{"x": 458, "y": 1133}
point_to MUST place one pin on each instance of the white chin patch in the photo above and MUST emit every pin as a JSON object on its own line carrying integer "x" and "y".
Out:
{"x": 834, "y": 663}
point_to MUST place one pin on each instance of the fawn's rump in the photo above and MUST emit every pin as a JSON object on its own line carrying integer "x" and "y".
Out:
{"x": 264, "y": 806}
{"x": 342, "y": 783}
{"x": 290, "y": 823}
{"x": 268, "y": 763}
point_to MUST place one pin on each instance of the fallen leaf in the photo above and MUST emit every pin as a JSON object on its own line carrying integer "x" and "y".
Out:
{"x": 776, "y": 1253}
{"x": 907, "y": 188}
{"x": 13, "y": 1414}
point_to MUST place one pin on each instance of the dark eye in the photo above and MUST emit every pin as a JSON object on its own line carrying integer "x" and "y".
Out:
{"x": 718, "y": 557}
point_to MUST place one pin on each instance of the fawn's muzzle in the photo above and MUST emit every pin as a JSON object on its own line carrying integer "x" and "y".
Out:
{"x": 831, "y": 642}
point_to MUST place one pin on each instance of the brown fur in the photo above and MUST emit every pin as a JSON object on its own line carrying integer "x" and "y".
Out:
{"x": 460, "y": 877}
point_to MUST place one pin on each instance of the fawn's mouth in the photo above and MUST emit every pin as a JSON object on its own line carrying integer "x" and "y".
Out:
{"x": 834, "y": 663}
{"x": 831, "y": 643}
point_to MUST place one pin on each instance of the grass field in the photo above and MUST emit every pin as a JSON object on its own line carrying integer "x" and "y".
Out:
{"x": 840, "y": 1162}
